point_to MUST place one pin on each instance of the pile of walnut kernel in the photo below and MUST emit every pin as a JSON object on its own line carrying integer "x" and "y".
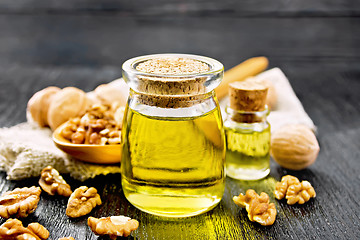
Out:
{"x": 262, "y": 211}
{"x": 21, "y": 202}
{"x": 100, "y": 125}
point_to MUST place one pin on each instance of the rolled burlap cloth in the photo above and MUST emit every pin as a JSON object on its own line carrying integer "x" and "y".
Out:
{"x": 288, "y": 110}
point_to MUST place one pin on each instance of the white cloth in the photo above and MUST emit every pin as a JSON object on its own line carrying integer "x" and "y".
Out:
{"x": 289, "y": 109}
{"x": 25, "y": 149}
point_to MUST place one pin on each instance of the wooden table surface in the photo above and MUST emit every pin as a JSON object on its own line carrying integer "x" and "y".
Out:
{"x": 83, "y": 44}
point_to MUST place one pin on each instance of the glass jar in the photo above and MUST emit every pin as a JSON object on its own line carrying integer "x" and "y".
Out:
{"x": 173, "y": 139}
{"x": 247, "y": 144}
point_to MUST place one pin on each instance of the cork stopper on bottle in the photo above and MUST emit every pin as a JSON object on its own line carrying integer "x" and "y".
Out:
{"x": 248, "y": 96}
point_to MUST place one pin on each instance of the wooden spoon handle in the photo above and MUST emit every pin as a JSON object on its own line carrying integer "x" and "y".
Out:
{"x": 246, "y": 69}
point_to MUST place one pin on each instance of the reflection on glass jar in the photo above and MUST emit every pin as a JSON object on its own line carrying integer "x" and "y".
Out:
{"x": 174, "y": 145}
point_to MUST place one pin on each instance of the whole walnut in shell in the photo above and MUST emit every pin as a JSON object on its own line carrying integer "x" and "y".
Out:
{"x": 115, "y": 91}
{"x": 38, "y": 105}
{"x": 294, "y": 147}
{"x": 68, "y": 103}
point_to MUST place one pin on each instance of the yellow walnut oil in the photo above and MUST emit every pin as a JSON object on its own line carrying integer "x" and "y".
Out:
{"x": 173, "y": 166}
{"x": 247, "y": 153}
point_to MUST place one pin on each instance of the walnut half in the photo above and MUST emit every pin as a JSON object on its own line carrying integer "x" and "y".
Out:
{"x": 113, "y": 226}
{"x": 281, "y": 187}
{"x": 53, "y": 183}
{"x": 20, "y": 202}
{"x": 13, "y": 229}
{"x": 293, "y": 190}
{"x": 82, "y": 201}
{"x": 258, "y": 207}
{"x": 300, "y": 193}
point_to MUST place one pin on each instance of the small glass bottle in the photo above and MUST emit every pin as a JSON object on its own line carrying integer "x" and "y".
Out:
{"x": 247, "y": 131}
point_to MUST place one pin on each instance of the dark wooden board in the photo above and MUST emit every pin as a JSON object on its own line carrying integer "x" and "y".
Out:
{"x": 334, "y": 214}
{"x": 247, "y": 8}
{"x": 109, "y": 40}
{"x": 84, "y": 43}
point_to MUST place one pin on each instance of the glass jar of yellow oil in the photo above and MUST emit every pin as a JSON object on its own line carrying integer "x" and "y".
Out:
{"x": 247, "y": 132}
{"x": 173, "y": 140}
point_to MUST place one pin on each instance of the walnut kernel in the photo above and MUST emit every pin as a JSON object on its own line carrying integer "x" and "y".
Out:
{"x": 53, "y": 183}
{"x": 282, "y": 186}
{"x": 113, "y": 226}
{"x": 258, "y": 207}
{"x": 20, "y": 202}
{"x": 100, "y": 125}
{"x": 82, "y": 201}
{"x": 293, "y": 190}
{"x": 300, "y": 193}
{"x": 13, "y": 229}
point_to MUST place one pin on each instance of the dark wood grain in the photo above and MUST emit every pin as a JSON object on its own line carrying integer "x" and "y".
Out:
{"x": 234, "y": 8}
{"x": 110, "y": 40}
{"x": 83, "y": 44}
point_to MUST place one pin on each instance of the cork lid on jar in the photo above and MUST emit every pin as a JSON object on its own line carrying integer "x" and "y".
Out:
{"x": 248, "y": 96}
{"x": 172, "y": 80}
{"x": 165, "y": 68}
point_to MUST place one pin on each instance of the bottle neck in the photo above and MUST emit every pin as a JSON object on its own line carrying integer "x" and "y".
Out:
{"x": 246, "y": 116}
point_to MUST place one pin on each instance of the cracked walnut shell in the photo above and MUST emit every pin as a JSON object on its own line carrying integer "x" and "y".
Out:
{"x": 53, "y": 183}
{"x": 113, "y": 226}
{"x": 258, "y": 207}
{"x": 13, "y": 229}
{"x": 293, "y": 190}
{"x": 20, "y": 202}
{"x": 82, "y": 201}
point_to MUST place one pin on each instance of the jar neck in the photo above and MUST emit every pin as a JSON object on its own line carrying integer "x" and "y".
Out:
{"x": 246, "y": 116}
{"x": 170, "y": 101}
{"x": 187, "y": 106}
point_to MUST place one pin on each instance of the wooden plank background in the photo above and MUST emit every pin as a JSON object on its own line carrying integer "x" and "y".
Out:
{"x": 83, "y": 44}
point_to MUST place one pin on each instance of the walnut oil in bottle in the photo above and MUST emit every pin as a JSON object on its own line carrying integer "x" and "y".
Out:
{"x": 174, "y": 146}
{"x": 247, "y": 132}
